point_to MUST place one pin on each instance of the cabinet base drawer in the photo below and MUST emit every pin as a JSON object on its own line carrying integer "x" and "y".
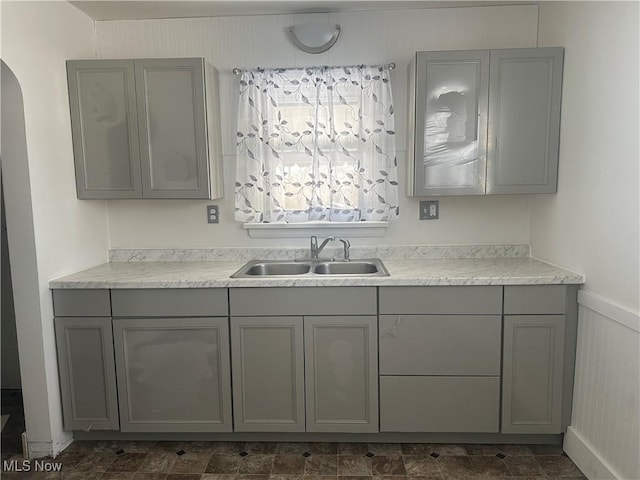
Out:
{"x": 439, "y": 404}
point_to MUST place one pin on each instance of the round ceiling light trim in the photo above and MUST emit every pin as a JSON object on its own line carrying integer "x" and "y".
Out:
{"x": 314, "y": 38}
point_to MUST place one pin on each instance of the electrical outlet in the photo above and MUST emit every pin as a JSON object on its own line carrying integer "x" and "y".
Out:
{"x": 213, "y": 214}
{"x": 429, "y": 209}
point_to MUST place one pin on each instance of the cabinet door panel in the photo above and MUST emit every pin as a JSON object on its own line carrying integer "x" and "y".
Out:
{"x": 532, "y": 373}
{"x": 173, "y": 374}
{"x": 440, "y": 344}
{"x": 450, "y": 128}
{"x": 341, "y": 371}
{"x": 171, "y": 105}
{"x": 268, "y": 380}
{"x": 524, "y": 123}
{"x": 105, "y": 128}
{"x": 87, "y": 373}
{"x": 439, "y": 404}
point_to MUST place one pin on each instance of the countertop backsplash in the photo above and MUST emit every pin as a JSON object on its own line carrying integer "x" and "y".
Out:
{"x": 385, "y": 252}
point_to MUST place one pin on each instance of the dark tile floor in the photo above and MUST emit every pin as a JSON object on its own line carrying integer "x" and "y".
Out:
{"x": 126, "y": 460}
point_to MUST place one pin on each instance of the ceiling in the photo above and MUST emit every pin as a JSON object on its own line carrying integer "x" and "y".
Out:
{"x": 136, "y": 10}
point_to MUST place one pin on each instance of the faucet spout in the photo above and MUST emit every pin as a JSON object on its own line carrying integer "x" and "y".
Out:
{"x": 346, "y": 244}
{"x": 315, "y": 249}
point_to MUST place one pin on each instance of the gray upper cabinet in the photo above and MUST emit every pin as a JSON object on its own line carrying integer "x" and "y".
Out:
{"x": 484, "y": 121}
{"x": 450, "y": 123}
{"x": 104, "y": 121}
{"x": 145, "y": 128}
{"x": 524, "y": 120}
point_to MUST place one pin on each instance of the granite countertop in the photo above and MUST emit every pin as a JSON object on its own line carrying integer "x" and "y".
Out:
{"x": 141, "y": 271}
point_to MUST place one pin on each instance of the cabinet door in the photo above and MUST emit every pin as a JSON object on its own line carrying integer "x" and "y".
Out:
{"x": 173, "y": 374}
{"x": 87, "y": 373}
{"x": 341, "y": 373}
{"x": 268, "y": 379}
{"x": 172, "y": 122}
{"x": 105, "y": 128}
{"x": 451, "y": 122}
{"x": 532, "y": 373}
{"x": 524, "y": 120}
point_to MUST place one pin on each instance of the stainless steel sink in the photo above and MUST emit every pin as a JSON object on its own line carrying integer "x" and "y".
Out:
{"x": 371, "y": 267}
{"x": 267, "y": 269}
{"x": 346, "y": 268}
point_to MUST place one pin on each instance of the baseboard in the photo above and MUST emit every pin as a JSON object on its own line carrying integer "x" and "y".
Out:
{"x": 46, "y": 449}
{"x": 586, "y": 458}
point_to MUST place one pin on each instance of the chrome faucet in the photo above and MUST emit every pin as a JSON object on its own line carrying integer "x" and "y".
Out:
{"x": 346, "y": 245}
{"x": 315, "y": 249}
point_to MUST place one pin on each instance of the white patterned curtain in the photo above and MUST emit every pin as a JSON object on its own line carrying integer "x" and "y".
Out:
{"x": 316, "y": 144}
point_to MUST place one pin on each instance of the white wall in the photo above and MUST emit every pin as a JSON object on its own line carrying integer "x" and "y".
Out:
{"x": 367, "y": 37}
{"x": 591, "y": 225}
{"x": 67, "y": 234}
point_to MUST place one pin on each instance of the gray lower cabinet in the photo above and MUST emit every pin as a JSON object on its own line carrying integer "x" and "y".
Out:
{"x": 87, "y": 373}
{"x": 268, "y": 374}
{"x": 532, "y": 373}
{"x": 540, "y": 329}
{"x": 440, "y": 359}
{"x": 146, "y": 128}
{"x": 341, "y": 369}
{"x": 173, "y": 374}
{"x": 304, "y": 359}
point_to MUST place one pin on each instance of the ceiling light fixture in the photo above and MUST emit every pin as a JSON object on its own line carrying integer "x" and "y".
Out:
{"x": 314, "y": 38}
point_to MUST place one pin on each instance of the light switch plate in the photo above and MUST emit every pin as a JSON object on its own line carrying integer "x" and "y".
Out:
{"x": 429, "y": 209}
{"x": 213, "y": 214}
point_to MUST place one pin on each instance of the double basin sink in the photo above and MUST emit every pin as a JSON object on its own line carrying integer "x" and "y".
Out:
{"x": 371, "y": 267}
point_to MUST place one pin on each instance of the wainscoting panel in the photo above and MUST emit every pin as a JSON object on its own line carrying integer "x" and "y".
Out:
{"x": 603, "y": 439}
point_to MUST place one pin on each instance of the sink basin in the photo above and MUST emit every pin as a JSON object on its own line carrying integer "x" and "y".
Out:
{"x": 346, "y": 268}
{"x": 268, "y": 269}
{"x": 372, "y": 267}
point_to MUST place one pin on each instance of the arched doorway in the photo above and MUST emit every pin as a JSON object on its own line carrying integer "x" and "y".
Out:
{"x": 20, "y": 239}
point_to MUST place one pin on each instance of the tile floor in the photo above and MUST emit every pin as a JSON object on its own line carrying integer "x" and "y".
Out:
{"x": 127, "y": 460}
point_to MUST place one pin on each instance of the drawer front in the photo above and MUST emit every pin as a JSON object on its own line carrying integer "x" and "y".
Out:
{"x": 535, "y": 299}
{"x": 170, "y": 302}
{"x": 474, "y": 300}
{"x": 440, "y": 344}
{"x": 81, "y": 303}
{"x": 439, "y": 404}
{"x": 303, "y": 301}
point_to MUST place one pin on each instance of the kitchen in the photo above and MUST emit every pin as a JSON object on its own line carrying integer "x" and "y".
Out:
{"x": 594, "y": 211}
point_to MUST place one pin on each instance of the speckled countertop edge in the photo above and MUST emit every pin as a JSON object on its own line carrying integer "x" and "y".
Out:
{"x": 411, "y": 272}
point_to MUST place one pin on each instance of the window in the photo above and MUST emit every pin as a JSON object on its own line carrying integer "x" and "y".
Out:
{"x": 316, "y": 144}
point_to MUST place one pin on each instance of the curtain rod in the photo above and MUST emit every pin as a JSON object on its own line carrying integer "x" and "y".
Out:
{"x": 238, "y": 71}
